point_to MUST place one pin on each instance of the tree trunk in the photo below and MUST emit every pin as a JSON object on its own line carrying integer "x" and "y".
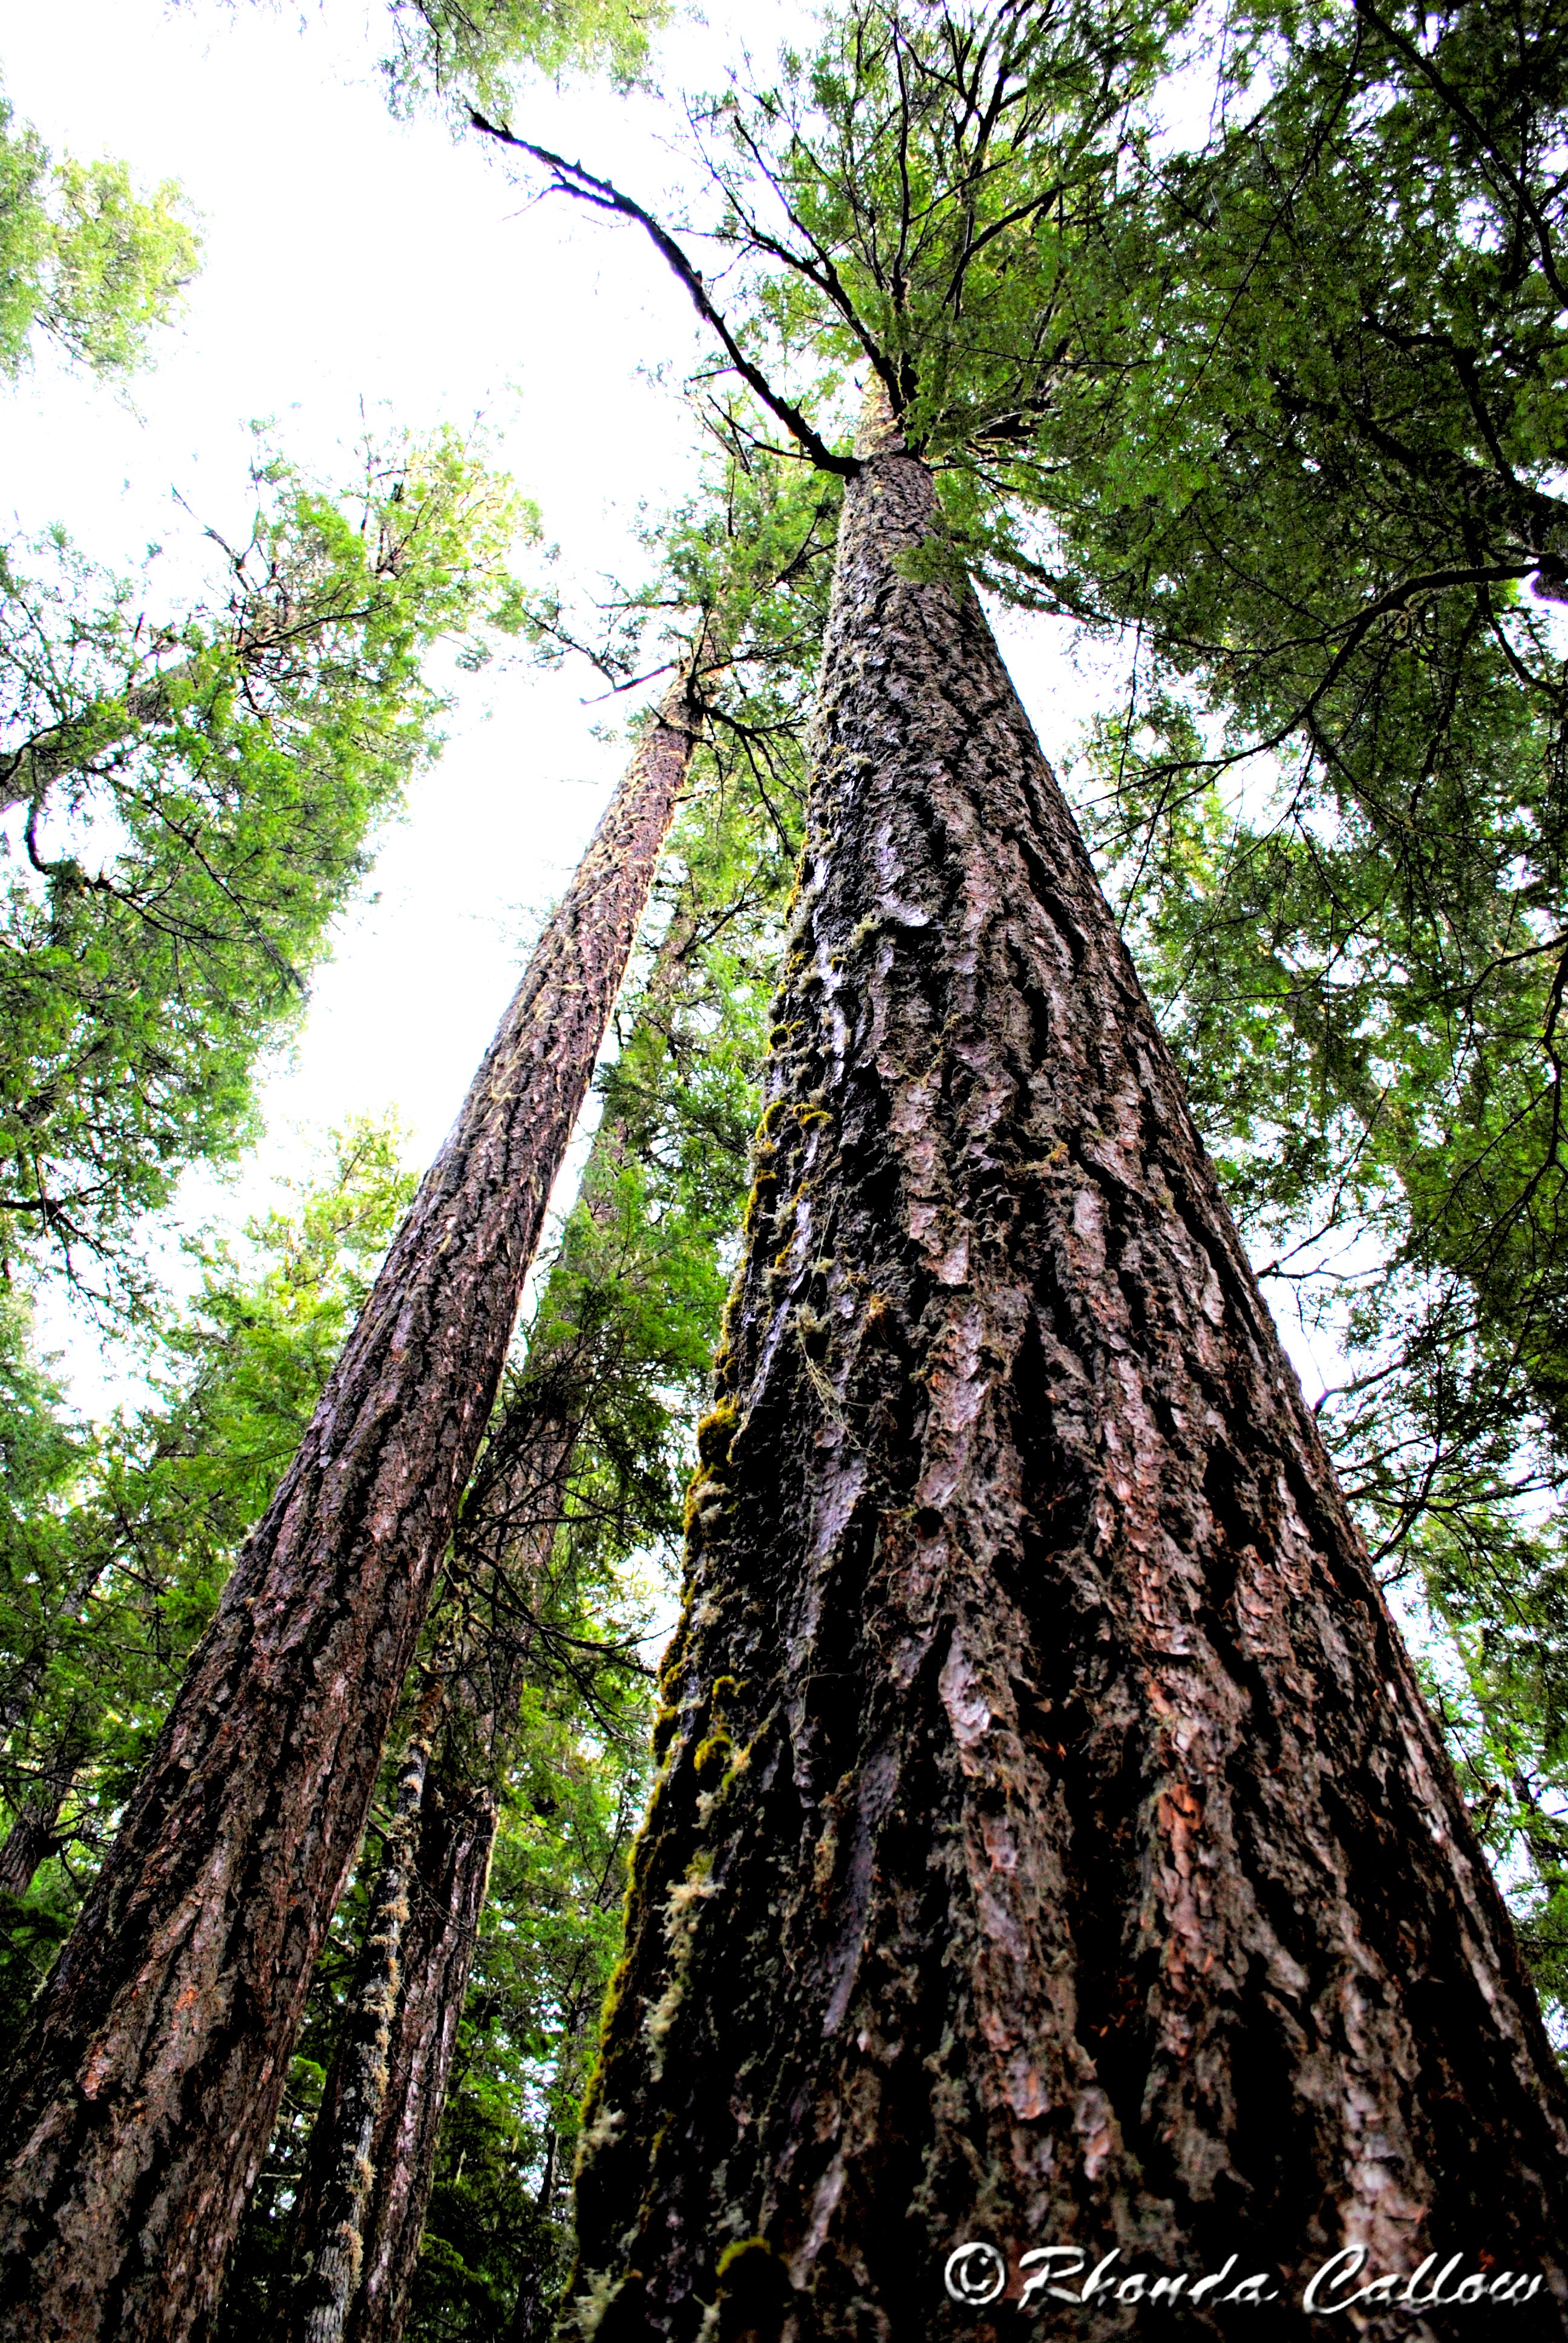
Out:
{"x": 393, "y": 2157}
{"x": 357, "y": 2091}
{"x": 1052, "y": 1847}
{"x": 139, "y": 2116}
{"x": 29, "y": 1840}
{"x": 510, "y": 1526}
{"x": 453, "y": 1874}
{"x": 32, "y": 1837}
{"x": 524, "y": 2323}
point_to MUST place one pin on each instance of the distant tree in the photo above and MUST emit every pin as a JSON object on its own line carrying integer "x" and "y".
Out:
{"x": 195, "y": 797}
{"x": 86, "y": 263}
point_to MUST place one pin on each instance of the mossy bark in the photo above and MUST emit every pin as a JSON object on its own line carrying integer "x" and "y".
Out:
{"x": 452, "y": 1874}
{"x": 330, "y": 2214}
{"x": 510, "y": 1517}
{"x": 135, "y": 2125}
{"x": 1052, "y": 1846}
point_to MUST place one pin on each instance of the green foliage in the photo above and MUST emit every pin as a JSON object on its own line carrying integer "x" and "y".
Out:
{"x": 84, "y": 259}
{"x": 468, "y": 51}
{"x": 1288, "y": 409}
{"x": 193, "y": 801}
{"x": 115, "y": 1546}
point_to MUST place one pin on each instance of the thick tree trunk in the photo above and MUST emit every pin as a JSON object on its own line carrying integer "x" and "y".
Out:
{"x": 1052, "y": 1847}
{"x": 137, "y": 2120}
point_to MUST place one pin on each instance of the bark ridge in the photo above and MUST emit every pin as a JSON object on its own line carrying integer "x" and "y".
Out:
{"x": 1052, "y": 1843}
{"x": 152, "y": 2075}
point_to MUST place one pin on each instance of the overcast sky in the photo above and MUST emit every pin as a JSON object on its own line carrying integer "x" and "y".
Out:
{"x": 359, "y": 268}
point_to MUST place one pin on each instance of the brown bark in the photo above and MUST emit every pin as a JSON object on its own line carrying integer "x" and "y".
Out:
{"x": 32, "y": 1837}
{"x": 1052, "y": 1845}
{"x": 358, "y": 2090}
{"x": 29, "y": 1842}
{"x": 138, "y": 2118}
{"x": 393, "y": 2155}
{"x": 510, "y": 1526}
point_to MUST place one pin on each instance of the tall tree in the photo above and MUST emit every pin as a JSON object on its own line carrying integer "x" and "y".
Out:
{"x": 201, "y": 790}
{"x": 1332, "y": 802}
{"x": 1050, "y": 1819}
{"x": 624, "y": 1333}
{"x": 159, "y": 2051}
{"x": 1040, "y": 1757}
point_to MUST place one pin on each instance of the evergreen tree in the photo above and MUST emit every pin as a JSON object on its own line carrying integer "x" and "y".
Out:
{"x": 85, "y": 261}
{"x": 201, "y": 794}
{"x": 1307, "y": 449}
{"x": 994, "y": 1857}
{"x": 587, "y": 1433}
{"x": 183, "y": 1982}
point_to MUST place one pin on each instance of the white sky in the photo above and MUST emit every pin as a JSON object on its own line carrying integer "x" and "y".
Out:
{"x": 359, "y": 267}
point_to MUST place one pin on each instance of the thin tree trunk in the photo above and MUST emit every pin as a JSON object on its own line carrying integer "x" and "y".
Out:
{"x": 32, "y": 1837}
{"x": 138, "y": 2119}
{"x": 523, "y": 2325}
{"x": 1052, "y": 1848}
{"x": 514, "y": 1511}
{"x": 358, "y": 2089}
{"x": 29, "y": 1841}
{"x": 453, "y": 1874}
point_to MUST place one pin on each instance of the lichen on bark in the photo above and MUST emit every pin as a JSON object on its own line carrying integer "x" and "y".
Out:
{"x": 1095, "y": 1874}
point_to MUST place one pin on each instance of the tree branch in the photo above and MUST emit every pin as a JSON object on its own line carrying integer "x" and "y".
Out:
{"x": 572, "y": 179}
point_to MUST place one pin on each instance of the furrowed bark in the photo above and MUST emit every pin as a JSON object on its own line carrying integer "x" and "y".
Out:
{"x": 1052, "y": 1847}
{"x": 394, "y": 2156}
{"x": 135, "y": 2122}
{"x": 514, "y": 1510}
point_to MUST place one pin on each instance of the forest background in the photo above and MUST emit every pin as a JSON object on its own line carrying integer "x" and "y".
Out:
{"x": 396, "y": 274}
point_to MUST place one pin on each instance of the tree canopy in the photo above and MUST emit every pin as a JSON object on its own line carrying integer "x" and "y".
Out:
{"x": 1277, "y": 410}
{"x": 196, "y": 795}
{"x": 85, "y": 262}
